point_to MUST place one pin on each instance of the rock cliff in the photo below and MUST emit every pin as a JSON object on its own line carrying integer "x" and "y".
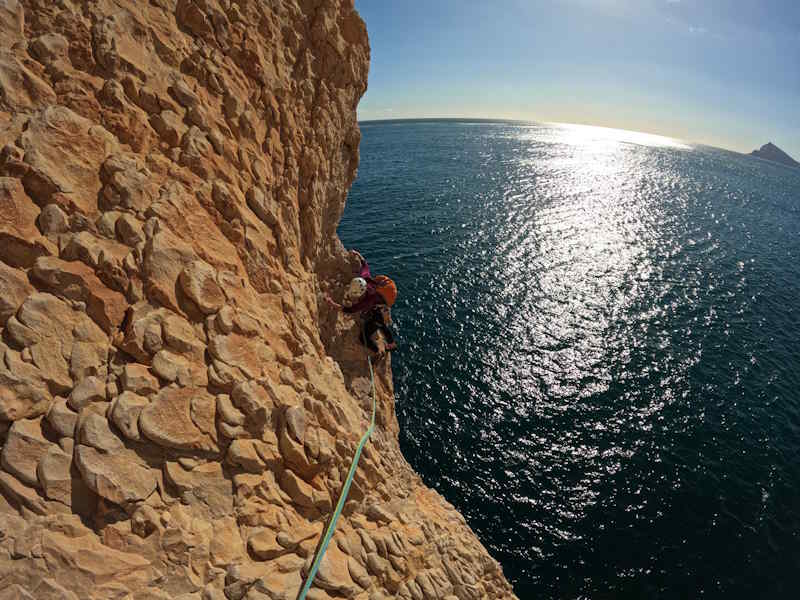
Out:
{"x": 177, "y": 408}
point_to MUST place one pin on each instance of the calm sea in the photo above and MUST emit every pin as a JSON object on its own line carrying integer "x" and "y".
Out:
{"x": 600, "y": 350}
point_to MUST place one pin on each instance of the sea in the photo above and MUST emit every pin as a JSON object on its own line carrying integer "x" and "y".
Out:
{"x": 599, "y": 350}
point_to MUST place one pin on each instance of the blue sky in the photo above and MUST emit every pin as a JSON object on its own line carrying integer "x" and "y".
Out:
{"x": 721, "y": 72}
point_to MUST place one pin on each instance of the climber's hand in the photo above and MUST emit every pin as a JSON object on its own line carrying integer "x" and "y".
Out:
{"x": 357, "y": 254}
{"x": 331, "y": 303}
{"x": 390, "y": 347}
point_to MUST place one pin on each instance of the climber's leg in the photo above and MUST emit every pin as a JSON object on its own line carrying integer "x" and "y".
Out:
{"x": 367, "y": 334}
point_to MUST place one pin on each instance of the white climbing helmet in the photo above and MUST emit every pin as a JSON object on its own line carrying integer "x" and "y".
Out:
{"x": 358, "y": 286}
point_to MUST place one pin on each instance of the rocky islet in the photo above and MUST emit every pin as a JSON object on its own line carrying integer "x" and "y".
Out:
{"x": 770, "y": 151}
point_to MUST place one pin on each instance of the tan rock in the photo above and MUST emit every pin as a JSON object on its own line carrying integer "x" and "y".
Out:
{"x": 20, "y": 88}
{"x": 21, "y": 398}
{"x": 129, "y": 230}
{"x": 181, "y": 337}
{"x": 60, "y": 482}
{"x": 334, "y": 575}
{"x": 263, "y": 545}
{"x": 167, "y": 420}
{"x": 180, "y": 207}
{"x": 49, "y": 142}
{"x": 93, "y": 565}
{"x": 249, "y": 354}
{"x": 16, "y": 592}
{"x": 377, "y": 565}
{"x": 49, "y": 589}
{"x": 145, "y": 520}
{"x": 137, "y": 378}
{"x": 226, "y": 545}
{"x": 181, "y": 369}
{"x": 379, "y": 513}
{"x": 296, "y": 422}
{"x": 62, "y": 419}
{"x": 76, "y": 281}
{"x": 93, "y": 430}
{"x": 181, "y": 91}
{"x": 294, "y": 455}
{"x": 14, "y": 288}
{"x": 298, "y": 490}
{"x": 20, "y": 241}
{"x": 48, "y": 355}
{"x": 233, "y": 432}
{"x": 196, "y": 151}
{"x": 165, "y": 256}
{"x": 67, "y": 445}
{"x": 143, "y": 333}
{"x": 49, "y": 48}
{"x": 264, "y": 205}
{"x": 24, "y": 447}
{"x": 268, "y": 450}
{"x": 89, "y": 389}
{"x": 169, "y": 127}
{"x": 88, "y": 359}
{"x": 223, "y": 376}
{"x": 206, "y": 485}
{"x": 12, "y": 23}
{"x": 243, "y": 453}
{"x": 52, "y": 220}
{"x": 199, "y": 282}
{"x": 125, "y": 411}
{"x": 54, "y": 331}
{"x": 120, "y": 476}
{"x": 22, "y": 495}
{"x": 128, "y": 184}
{"x": 172, "y": 367}
{"x": 90, "y": 249}
{"x": 203, "y": 410}
{"x": 252, "y": 400}
{"x": 106, "y": 225}
{"x": 228, "y": 412}
{"x": 358, "y": 573}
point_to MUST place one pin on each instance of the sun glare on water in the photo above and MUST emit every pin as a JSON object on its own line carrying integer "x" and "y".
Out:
{"x": 591, "y": 135}
{"x": 587, "y": 238}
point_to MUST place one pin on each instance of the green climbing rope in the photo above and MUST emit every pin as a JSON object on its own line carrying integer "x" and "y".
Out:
{"x": 343, "y": 496}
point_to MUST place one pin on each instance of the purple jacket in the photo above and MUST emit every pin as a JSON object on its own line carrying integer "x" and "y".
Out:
{"x": 370, "y": 299}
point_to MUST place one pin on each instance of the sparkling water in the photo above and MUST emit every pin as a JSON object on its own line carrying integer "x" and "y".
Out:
{"x": 599, "y": 359}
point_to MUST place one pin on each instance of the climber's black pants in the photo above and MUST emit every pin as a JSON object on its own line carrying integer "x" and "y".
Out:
{"x": 372, "y": 324}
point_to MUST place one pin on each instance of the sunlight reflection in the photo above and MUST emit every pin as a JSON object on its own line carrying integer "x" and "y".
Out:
{"x": 586, "y": 135}
{"x": 591, "y": 237}
{"x": 582, "y": 228}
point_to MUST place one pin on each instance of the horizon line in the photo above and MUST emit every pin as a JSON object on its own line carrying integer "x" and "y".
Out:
{"x": 534, "y": 122}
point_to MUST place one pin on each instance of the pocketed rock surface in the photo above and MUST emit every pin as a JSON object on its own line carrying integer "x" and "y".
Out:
{"x": 178, "y": 408}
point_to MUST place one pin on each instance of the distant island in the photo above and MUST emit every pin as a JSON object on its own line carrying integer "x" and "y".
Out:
{"x": 770, "y": 151}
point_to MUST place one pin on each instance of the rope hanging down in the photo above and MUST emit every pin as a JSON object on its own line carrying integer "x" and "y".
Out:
{"x": 343, "y": 496}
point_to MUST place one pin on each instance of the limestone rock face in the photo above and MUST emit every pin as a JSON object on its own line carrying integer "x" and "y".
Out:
{"x": 177, "y": 407}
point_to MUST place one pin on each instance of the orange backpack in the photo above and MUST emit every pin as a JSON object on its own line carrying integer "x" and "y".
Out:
{"x": 386, "y": 288}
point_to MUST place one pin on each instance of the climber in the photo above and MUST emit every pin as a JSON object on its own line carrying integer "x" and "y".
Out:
{"x": 372, "y": 298}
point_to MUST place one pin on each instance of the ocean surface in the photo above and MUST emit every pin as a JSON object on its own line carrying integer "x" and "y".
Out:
{"x": 599, "y": 359}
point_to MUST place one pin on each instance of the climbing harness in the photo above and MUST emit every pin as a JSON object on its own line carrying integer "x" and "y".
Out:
{"x": 343, "y": 496}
